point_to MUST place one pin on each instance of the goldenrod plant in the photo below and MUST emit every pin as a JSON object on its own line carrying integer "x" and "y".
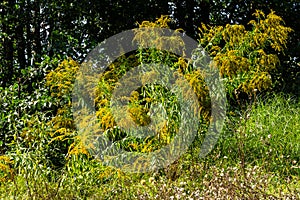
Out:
{"x": 61, "y": 82}
{"x": 245, "y": 57}
{"x": 242, "y": 57}
{"x": 256, "y": 156}
{"x": 149, "y": 35}
{"x": 6, "y": 171}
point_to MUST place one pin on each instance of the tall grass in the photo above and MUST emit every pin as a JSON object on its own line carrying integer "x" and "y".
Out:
{"x": 266, "y": 134}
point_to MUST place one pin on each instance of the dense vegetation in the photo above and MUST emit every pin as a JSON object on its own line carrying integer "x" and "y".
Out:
{"x": 43, "y": 44}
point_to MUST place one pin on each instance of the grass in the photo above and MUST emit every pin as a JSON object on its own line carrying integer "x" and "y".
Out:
{"x": 257, "y": 157}
{"x": 267, "y": 134}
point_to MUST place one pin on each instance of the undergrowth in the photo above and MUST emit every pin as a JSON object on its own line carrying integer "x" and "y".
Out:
{"x": 256, "y": 158}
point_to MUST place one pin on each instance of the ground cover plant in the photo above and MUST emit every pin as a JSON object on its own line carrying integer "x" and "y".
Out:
{"x": 257, "y": 156}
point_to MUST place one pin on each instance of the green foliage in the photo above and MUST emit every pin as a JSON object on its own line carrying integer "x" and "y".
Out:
{"x": 19, "y": 105}
{"x": 24, "y": 130}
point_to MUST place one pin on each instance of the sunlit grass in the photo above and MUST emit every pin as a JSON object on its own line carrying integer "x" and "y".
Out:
{"x": 267, "y": 134}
